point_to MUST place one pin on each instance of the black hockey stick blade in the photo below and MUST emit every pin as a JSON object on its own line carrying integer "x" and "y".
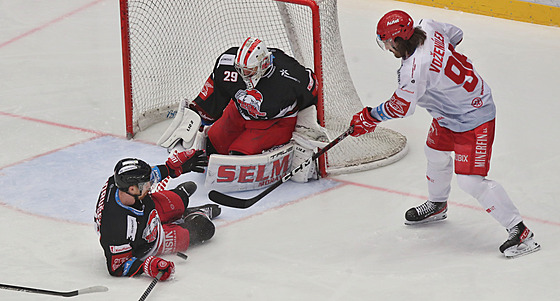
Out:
{"x": 87, "y": 290}
{"x": 231, "y": 201}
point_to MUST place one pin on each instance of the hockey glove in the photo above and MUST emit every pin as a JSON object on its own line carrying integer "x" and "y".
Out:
{"x": 153, "y": 265}
{"x": 183, "y": 162}
{"x": 363, "y": 122}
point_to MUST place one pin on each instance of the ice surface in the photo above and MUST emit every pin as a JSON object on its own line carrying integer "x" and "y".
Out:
{"x": 342, "y": 238}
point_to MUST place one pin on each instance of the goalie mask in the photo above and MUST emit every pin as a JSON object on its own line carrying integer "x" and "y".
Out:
{"x": 252, "y": 61}
{"x": 129, "y": 172}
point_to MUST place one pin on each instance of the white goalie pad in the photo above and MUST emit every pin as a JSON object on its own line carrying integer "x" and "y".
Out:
{"x": 308, "y": 137}
{"x": 303, "y": 150}
{"x": 307, "y": 126}
{"x": 228, "y": 173}
{"x": 183, "y": 128}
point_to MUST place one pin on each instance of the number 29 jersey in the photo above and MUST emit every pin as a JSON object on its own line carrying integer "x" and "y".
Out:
{"x": 441, "y": 80}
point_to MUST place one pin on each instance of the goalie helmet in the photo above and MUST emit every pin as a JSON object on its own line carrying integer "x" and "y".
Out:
{"x": 252, "y": 61}
{"x": 130, "y": 171}
{"x": 393, "y": 24}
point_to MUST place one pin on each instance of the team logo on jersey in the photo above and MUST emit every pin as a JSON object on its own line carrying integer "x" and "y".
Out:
{"x": 120, "y": 249}
{"x": 477, "y": 102}
{"x": 311, "y": 83}
{"x": 397, "y": 107}
{"x": 226, "y": 60}
{"x": 118, "y": 260}
{"x": 131, "y": 227}
{"x": 151, "y": 231}
{"x": 208, "y": 89}
{"x": 285, "y": 74}
{"x": 249, "y": 101}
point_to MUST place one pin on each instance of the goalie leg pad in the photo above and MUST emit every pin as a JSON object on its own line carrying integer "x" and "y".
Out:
{"x": 240, "y": 173}
{"x": 309, "y": 172}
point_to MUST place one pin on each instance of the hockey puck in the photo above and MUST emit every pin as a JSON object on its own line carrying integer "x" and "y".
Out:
{"x": 182, "y": 255}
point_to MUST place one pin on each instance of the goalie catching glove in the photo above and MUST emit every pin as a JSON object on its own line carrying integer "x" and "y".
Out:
{"x": 363, "y": 122}
{"x": 153, "y": 265}
{"x": 182, "y": 162}
{"x": 182, "y": 132}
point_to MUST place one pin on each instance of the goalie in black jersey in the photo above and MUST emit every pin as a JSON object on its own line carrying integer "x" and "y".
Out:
{"x": 256, "y": 99}
{"x": 252, "y": 98}
{"x": 135, "y": 226}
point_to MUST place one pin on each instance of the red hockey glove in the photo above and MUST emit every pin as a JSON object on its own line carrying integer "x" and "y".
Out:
{"x": 183, "y": 162}
{"x": 153, "y": 265}
{"x": 363, "y": 122}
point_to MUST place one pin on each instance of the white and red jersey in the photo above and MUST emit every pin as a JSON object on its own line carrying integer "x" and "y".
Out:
{"x": 441, "y": 80}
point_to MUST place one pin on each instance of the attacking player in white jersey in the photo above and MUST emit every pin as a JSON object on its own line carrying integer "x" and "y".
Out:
{"x": 433, "y": 75}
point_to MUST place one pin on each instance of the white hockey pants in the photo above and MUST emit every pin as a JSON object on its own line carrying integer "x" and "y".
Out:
{"x": 490, "y": 194}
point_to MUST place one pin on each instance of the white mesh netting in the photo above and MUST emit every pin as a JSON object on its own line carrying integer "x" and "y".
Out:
{"x": 174, "y": 44}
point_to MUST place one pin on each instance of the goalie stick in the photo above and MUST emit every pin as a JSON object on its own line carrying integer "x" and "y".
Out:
{"x": 234, "y": 202}
{"x": 87, "y": 290}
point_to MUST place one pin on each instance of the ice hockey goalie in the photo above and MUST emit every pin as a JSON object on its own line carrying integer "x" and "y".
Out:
{"x": 259, "y": 108}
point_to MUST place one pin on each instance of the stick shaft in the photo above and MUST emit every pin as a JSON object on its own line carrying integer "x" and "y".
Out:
{"x": 93, "y": 289}
{"x": 151, "y": 286}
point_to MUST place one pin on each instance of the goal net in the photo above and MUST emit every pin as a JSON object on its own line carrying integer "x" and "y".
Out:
{"x": 170, "y": 47}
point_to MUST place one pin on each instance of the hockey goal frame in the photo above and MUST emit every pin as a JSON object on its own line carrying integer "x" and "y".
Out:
{"x": 316, "y": 8}
{"x": 125, "y": 41}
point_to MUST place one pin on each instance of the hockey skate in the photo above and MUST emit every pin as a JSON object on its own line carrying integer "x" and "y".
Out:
{"x": 425, "y": 213}
{"x": 188, "y": 187}
{"x": 520, "y": 242}
{"x": 199, "y": 225}
{"x": 211, "y": 210}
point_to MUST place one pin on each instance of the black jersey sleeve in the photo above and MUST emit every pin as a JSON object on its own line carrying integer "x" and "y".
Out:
{"x": 309, "y": 91}
{"x": 214, "y": 97}
{"x": 306, "y": 84}
{"x": 122, "y": 264}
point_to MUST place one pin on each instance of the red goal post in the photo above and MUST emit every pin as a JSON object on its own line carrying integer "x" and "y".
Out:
{"x": 169, "y": 48}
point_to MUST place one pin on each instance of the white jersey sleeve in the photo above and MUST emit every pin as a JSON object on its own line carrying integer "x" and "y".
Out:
{"x": 454, "y": 33}
{"x": 442, "y": 81}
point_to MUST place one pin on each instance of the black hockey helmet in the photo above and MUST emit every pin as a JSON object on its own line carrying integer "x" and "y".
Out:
{"x": 130, "y": 172}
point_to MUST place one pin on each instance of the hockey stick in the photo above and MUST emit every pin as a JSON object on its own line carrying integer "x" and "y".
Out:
{"x": 182, "y": 255}
{"x": 151, "y": 286}
{"x": 234, "y": 202}
{"x": 87, "y": 290}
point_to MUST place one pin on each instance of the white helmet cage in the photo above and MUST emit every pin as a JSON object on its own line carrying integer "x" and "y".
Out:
{"x": 252, "y": 61}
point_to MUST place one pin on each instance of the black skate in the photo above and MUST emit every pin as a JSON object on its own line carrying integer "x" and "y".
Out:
{"x": 200, "y": 227}
{"x": 425, "y": 213}
{"x": 188, "y": 187}
{"x": 520, "y": 242}
{"x": 211, "y": 210}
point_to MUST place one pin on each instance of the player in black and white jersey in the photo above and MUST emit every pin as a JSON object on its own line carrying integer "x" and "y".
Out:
{"x": 135, "y": 226}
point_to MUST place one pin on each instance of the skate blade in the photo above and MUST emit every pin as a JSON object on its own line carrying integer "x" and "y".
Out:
{"x": 431, "y": 219}
{"x": 527, "y": 247}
